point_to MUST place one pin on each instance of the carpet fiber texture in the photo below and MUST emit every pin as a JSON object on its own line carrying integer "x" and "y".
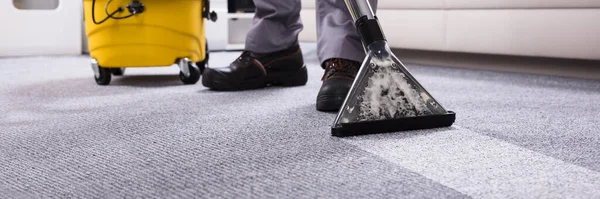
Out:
{"x": 148, "y": 136}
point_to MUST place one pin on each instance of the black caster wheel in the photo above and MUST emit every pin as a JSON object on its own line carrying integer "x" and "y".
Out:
{"x": 193, "y": 78}
{"x": 194, "y": 72}
{"x": 204, "y": 63}
{"x": 117, "y": 71}
{"x": 104, "y": 76}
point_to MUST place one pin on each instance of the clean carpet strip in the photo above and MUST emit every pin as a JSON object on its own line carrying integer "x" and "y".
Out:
{"x": 482, "y": 166}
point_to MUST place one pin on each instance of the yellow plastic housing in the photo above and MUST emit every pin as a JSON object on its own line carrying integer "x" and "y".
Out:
{"x": 166, "y": 31}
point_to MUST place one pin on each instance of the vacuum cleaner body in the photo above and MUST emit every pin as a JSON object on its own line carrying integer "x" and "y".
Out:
{"x": 384, "y": 97}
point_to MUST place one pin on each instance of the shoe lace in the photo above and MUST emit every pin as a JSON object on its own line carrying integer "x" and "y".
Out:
{"x": 246, "y": 58}
{"x": 336, "y": 66}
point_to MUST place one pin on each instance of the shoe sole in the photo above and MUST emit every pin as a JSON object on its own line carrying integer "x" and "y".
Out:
{"x": 288, "y": 79}
{"x": 330, "y": 103}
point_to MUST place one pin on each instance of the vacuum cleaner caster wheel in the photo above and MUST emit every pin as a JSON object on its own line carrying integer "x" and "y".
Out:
{"x": 190, "y": 73}
{"x": 117, "y": 71}
{"x": 101, "y": 75}
{"x": 104, "y": 78}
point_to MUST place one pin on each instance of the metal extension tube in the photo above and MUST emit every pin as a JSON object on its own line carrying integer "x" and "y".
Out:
{"x": 360, "y": 8}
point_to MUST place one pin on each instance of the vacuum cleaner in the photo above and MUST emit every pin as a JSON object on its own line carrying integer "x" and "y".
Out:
{"x": 384, "y": 97}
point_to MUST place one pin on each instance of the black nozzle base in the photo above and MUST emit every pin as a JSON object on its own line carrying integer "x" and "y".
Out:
{"x": 394, "y": 125}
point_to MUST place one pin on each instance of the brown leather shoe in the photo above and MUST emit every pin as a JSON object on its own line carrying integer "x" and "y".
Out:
{"x": 253, "y": 70}
{"x": 337, "y": 80}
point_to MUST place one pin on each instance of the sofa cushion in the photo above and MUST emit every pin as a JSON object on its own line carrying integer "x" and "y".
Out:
{"x": 512, "y": 4}
{"x": 477, "y": 4}
{"x": 411, "y": 4}
{"x": 565, "y": 33}
{"x": 312, "y": 3}
{"x": 417, "y": 29}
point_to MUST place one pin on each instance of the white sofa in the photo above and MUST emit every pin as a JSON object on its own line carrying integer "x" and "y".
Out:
{"x": 541, "y": 28}
{"x": 29, "y": 30}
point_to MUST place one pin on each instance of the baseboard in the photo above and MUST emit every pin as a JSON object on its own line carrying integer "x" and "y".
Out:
{"x": 587, "y": 69}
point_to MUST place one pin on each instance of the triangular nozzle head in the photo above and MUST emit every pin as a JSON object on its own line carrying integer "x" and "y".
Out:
{"x": 385, "y": 97}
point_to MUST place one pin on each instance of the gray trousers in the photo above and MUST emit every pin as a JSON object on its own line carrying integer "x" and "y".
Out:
{"x": 277, "y": 24}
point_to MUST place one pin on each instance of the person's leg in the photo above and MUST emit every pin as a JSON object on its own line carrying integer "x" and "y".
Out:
{"x": 340, "y": 52}
{"x": 336, "y": 34}
{"x": 272, "y": 55}
{"x": 276, "y": 26}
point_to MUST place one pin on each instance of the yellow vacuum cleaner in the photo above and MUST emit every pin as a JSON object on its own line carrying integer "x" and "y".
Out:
{"x": 147, "y": 33}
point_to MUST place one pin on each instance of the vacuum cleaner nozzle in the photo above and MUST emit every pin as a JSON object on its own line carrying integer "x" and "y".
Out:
{"x": 384, "y": 97}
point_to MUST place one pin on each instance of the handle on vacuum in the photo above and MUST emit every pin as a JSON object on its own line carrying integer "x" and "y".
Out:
{"x": 365, "y": 21}
{"x": 206, "y": 13}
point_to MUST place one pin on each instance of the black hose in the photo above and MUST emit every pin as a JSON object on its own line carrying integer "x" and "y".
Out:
{"x": 94, "y": 14}
{"x": 111, "y": 15}
{"x": 120, "y": 9}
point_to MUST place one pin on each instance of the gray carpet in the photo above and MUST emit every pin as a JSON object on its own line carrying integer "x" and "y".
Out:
{"x": 148, "y": 136}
